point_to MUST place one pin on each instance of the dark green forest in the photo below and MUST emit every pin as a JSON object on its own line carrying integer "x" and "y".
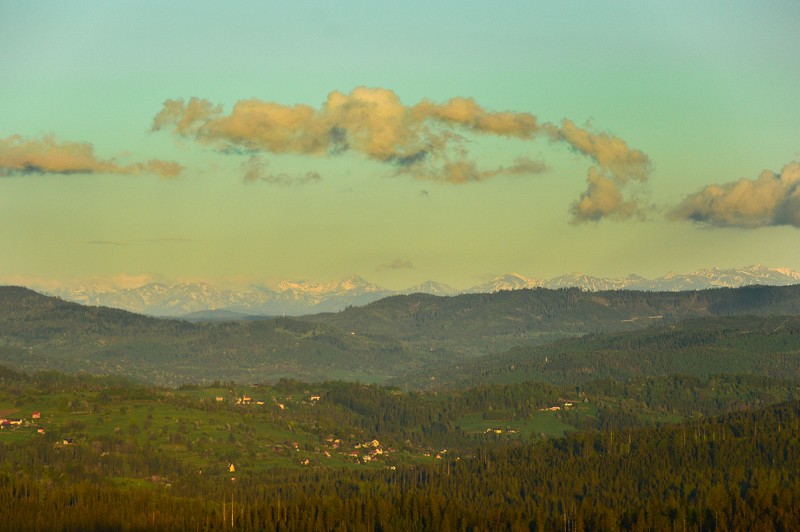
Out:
{"x": 730, "y": 471}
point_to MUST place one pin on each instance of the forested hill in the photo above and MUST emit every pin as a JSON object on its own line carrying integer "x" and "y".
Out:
{"x": 388, "y": 339}
{"x": 39, "y": 332}
{"x": 570, "y": 312}
{"x": 24, "y": 310}
{"x": 766, "y": 346}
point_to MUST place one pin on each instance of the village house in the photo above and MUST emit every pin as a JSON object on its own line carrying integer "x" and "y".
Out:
{"x": 36, "y": 415}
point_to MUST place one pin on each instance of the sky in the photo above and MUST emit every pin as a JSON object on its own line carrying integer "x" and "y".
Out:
{"x": 258, "y": 141}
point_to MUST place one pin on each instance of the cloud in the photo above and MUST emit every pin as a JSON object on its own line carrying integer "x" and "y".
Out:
{"x": 617, "y": 164}
{"x": 770, "y": 199}
{"x": 46, "y": 155}
{"x": 602, "y": 199}
{"x": 397, "y": 264}
{"x": 466, "y": 171}
{"x": 612, "y": 154}
{"x": 256, "y": 169}
{"x": 427, "y": 140}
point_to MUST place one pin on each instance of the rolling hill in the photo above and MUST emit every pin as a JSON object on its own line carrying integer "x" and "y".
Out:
{"x": 403, "y": 337}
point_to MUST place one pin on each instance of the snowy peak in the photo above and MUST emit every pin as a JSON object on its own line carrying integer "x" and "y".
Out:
{"x": 308, "y": 297}
{"x": 671, "y": 282}
{"x": 433, "y": 288}
{"x": 509, "y": 281}
{"x": 589, "y": 283}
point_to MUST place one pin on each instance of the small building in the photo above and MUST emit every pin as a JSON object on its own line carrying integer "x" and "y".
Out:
{"x": 220, "y": 398}
{"x": 36, "y": 415}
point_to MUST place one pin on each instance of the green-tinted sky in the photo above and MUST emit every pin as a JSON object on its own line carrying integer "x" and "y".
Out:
{"x": 453, "y": 141}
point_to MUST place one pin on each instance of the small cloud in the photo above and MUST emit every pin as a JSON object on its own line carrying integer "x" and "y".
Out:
{"x": 602, "y": 199}
{"x": 46, "y": 155}
{"x": 397, "y": 264}
{"x": 466, "y": 171}
{"x": 770, "y": 199}
{"x": 617, "y": 165}
{"x": 610, "y": 153}
{"x": 256, "y": 169}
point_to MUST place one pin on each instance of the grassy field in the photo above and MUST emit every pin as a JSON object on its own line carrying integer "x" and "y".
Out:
{"x": 541, "y": 423}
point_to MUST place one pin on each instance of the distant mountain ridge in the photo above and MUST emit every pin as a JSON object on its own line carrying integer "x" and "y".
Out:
{"x": 300, "y": 297}
{"x": 399, "y": 335}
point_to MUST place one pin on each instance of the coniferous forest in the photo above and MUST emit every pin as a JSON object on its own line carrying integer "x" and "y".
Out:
{"x": 117, "y": 455}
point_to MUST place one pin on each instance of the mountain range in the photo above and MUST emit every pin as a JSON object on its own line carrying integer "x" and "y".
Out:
{"x": 410, "y": 338}
{"x": 307, "y": 297}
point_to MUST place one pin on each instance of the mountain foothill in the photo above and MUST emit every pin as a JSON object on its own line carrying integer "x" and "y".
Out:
{"x": 407, "y": 338}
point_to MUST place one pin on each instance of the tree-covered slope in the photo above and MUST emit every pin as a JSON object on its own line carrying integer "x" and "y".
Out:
{"x": 474, "y": 324}
{"x": 39, "y": 332}
{"x": 753, "y": 345}
{"x": 411, "y": 338}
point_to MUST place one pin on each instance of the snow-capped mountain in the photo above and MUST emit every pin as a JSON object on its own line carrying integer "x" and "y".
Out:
{"x": 433, "y": 288}
{"x": 586, "y": 282}
{"x": 308, "y": 297}
{"x": 714, "y": 277}
{"x": 160, "y": 300}
{"x": 304, "y": 297}
{"x": 509, "y": 281}
{"x": 287, "y": 297}
{"x": 672, "y": 282}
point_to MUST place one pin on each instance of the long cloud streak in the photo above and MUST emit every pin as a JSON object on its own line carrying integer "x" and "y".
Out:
{"x": 46, "y": 155}
{"x": 256, "y": 169}
{"x": 426, "y": 140}
{"x": 770, "y": 199}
